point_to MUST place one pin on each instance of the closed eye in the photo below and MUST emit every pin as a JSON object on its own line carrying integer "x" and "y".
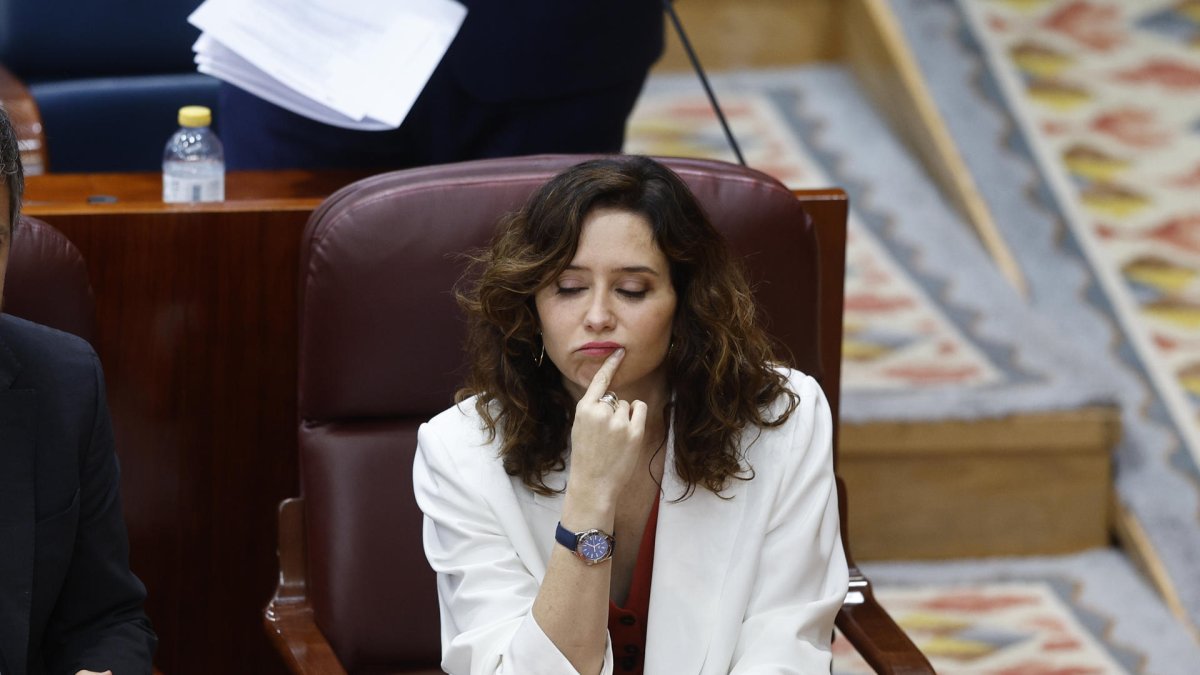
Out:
{"x": 569, "y": 290}
{"x": 633, "y": 295}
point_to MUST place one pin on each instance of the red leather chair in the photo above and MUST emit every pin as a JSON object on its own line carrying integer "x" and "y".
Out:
{"x": 380, "y": 353}
{"x": 47, "y": 280}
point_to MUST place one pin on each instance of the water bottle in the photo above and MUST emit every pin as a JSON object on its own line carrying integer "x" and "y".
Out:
{"x": 194, "y": 161}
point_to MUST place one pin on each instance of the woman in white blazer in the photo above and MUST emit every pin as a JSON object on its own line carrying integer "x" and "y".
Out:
{"x": 627, "y": 483}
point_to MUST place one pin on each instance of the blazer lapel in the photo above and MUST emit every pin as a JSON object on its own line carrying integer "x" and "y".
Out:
{"x": 541, "y": 513}
{"x": 692, "y": 551}
{"x": 17, "y": 513}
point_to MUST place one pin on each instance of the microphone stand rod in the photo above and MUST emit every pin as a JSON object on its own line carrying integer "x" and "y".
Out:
{"x": 712, "y": 98}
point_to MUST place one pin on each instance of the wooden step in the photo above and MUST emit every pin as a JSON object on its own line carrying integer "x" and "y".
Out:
{"x": 1028, "y": 484}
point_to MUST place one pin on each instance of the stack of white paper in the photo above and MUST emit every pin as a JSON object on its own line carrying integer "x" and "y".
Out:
{"x": 358, "y": 64}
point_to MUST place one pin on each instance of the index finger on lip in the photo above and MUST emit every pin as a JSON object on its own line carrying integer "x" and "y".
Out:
{"x": 604, "y": 376}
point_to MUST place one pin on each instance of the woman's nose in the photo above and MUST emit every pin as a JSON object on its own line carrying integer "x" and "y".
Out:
{"x": 599, "y": 315}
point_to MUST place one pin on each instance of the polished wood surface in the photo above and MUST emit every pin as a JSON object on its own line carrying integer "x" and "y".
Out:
{"x": 196, "y": 311}
{"x": 830, "y": 206}
{"x": 95, "y": 193}
{"x": 288, "y": 618}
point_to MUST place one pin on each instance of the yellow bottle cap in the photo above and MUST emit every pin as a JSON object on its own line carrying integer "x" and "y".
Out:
{"x": 194, "y": 116}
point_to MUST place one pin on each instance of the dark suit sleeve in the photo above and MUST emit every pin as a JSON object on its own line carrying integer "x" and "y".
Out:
{"x": 98, "y": 622}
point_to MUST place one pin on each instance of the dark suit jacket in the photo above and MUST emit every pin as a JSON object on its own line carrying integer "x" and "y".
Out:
{"x": 537, "y": 49}
{"x": 67, "y": 597}
{"x": 522, "y": 77}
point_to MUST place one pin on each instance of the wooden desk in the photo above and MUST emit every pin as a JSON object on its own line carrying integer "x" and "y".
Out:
{"x": 197, "y": 312}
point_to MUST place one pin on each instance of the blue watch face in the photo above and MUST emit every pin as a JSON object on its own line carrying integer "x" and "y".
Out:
{"x": 594, "y": 547}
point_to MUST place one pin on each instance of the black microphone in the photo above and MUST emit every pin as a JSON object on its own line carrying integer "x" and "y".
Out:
{"x": 712, "y": 98}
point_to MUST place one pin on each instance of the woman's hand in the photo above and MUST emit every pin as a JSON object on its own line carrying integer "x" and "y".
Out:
{"x": 606, "y": 443}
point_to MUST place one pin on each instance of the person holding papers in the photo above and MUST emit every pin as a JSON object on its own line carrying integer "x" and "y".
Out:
{"x": 630, "y": 482}
{"x": 521, "y": 77}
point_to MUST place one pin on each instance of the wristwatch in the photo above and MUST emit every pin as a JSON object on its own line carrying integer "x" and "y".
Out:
{"x": 590, "y": 546}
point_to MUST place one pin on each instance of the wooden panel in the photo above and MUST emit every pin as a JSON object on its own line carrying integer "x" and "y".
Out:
{"x": 753, "y": 34}
{"x": 1023, "y": 485}
{"x": 829, "y": 209}
{"x": 197, "y": 312}
{"x": 94, "y": 193}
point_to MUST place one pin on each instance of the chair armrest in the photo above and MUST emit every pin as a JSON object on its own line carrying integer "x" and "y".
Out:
{"x": 876, "y": 637}
{"x": 867, "y": 625}
{"x": 27, "y": 122}
{"x": 288, "y": 618}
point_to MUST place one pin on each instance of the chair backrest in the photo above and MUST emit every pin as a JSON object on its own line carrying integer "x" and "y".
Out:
{"x": 47, "y": 280}
{"x": 100, "y": 83}
{"x": 73, "y": 39}
{"x": 381, "y": 352}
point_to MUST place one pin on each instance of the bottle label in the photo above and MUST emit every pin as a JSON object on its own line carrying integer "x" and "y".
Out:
{"x": 179, "y": 190}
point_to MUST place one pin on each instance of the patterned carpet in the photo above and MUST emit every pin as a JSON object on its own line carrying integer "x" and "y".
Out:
{"x": 1001, "y": 628}
{"x": 1088, "y": 613}
{"x": 1108, "y": 94}
{"x": 1061, "y": 108}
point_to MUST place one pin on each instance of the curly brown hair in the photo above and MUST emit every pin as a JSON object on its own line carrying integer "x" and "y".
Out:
{"x": 720, "y": 366}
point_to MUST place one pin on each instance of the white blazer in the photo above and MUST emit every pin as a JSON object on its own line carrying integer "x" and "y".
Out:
{"x": 747, "y": 584}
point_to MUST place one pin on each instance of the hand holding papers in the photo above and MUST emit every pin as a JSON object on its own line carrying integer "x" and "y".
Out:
{"x": 357, "y": 64}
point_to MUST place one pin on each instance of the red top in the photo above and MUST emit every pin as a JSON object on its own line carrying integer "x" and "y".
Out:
{"x": 627, "y": 625}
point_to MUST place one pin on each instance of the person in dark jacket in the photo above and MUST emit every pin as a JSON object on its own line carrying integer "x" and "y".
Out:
{"x": 522, "y": 77}
{"x": 68, "y": 601}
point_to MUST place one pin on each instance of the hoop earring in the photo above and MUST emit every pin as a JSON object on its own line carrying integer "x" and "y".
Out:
{"x": 540, "y": 357}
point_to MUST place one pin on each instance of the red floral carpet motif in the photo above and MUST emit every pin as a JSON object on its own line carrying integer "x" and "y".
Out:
{"x": 895, "y": 337}
{"x": 1107, "y": 92}
{"x": 992, "y": 629}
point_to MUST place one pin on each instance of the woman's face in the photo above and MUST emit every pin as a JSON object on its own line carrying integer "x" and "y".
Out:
{"x": 616, "y": 292}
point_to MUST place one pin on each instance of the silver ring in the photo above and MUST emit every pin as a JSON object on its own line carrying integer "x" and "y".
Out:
{"x": 611, "y": 399}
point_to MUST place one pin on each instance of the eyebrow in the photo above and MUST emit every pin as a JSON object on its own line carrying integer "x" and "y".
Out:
{"x": 630, "y": 269}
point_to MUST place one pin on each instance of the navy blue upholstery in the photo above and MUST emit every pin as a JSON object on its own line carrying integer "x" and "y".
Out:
{"x": 116, "y": 123}
{"x": 108, "y": 76}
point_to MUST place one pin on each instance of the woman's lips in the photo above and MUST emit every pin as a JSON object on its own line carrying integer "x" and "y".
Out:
{"x": 598, "y": 348}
